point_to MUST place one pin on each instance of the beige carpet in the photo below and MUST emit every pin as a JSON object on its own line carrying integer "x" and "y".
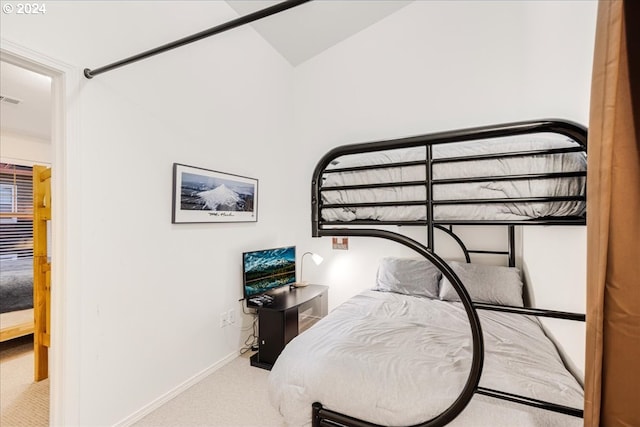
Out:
{"x": 233, "y": 396}
{"x": 22, "y": 402}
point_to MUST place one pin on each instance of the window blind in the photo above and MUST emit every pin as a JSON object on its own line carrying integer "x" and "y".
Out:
{"x": 16, "y": 211}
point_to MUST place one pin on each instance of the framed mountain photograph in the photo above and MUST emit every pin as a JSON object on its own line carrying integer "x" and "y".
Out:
{"x": 203, "y": 195}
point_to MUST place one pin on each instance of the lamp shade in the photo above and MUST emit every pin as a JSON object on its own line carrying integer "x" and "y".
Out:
{"x": 317, "y": 258}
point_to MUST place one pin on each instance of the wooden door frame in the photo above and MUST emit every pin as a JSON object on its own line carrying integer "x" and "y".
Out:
{"x": 64, "y": 355}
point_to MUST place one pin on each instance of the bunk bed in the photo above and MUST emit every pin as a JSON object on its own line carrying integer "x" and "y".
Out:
{"x": 24, "y": 286}
{"x": 411, "y": 351}
{"x": 41, "y": 272}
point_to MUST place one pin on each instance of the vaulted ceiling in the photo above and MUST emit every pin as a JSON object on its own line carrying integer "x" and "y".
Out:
{"x": 297, "y": 34}
{"x": 309, "y": 29}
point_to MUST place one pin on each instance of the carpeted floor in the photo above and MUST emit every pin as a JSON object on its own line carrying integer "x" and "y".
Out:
{"x": 22, "y": 402}
{"x": 233, "y": 396}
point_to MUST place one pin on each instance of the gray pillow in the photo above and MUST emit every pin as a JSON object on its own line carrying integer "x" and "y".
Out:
{"x": 485, "y": 283}
{"x": 411, "y": 276}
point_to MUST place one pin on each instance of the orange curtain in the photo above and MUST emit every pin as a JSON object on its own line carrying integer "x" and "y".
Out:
{"x": 612, "y": 371}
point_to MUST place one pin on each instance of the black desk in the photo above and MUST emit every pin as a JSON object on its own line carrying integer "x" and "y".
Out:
{"x": 291, "y": 312}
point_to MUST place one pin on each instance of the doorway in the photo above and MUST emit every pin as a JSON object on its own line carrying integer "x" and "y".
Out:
{"x": 27, "y": 112}
{"x": 64, "y": 371}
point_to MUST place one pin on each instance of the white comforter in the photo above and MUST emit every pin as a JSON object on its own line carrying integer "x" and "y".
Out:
{"x": 395, "y": 359}
{"x": 567, "y": 162}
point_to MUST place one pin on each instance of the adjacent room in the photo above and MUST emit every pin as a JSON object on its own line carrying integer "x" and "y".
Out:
{"x": 344, "y": 213}
{"x": 26, "y": 150}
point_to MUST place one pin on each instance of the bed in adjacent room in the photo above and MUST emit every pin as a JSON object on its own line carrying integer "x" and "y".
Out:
{"x": 16, "y": 298}
{"x": 16, "y": 284}
{"x": 16, "y": 255}
{"x": 24, "y": 265}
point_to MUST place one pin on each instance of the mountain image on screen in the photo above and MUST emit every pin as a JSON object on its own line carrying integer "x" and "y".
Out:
{"x": 268, "y": 269}
{"x": 214, "y": 194}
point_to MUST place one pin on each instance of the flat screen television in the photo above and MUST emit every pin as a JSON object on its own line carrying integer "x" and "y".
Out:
{"x": 268, "y": 269}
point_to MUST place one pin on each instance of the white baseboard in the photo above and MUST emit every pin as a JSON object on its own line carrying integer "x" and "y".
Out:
{"x": 146, "y": 410}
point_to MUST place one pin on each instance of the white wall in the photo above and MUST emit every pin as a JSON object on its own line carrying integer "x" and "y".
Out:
{"x": 444, "y": 65}
{"x": 556, "y": 267}
{"x": 149, "y": 294}
{"x": 24, "y": 150}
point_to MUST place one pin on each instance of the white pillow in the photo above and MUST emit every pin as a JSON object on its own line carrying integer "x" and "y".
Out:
{"x": 485, "y": 283}
{"x": 411, "y": 276}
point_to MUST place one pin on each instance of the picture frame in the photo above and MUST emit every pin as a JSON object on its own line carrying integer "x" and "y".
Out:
{"x": 202, "y": 195}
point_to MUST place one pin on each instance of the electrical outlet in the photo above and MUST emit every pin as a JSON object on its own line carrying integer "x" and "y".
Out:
{"x": 227, "y": 318}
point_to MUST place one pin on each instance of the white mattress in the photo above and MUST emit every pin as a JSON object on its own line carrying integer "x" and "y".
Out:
{"x": 567, "y": 162}
{"x": 395, "y": 359}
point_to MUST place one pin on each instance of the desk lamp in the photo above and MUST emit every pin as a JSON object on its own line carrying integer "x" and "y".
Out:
{"x": 317, "y": 259}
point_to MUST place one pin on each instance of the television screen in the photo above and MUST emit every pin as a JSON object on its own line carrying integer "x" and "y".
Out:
{"x": 268, "y": 269}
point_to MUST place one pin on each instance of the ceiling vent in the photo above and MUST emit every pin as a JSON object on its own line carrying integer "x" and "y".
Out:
{"x": 9, "y": 100}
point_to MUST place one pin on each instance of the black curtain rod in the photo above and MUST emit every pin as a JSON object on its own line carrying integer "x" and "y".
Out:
{"x": 272, "y": 10}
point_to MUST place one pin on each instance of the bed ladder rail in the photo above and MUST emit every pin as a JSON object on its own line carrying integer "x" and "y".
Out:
{"x": 41, "y": 271}
{"x": 530, "y": 402}
{"x": 323, "y": 417}
{"x": 539, "y": 312}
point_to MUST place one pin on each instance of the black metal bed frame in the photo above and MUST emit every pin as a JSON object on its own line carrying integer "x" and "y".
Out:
{"x": 325, "y": 417}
